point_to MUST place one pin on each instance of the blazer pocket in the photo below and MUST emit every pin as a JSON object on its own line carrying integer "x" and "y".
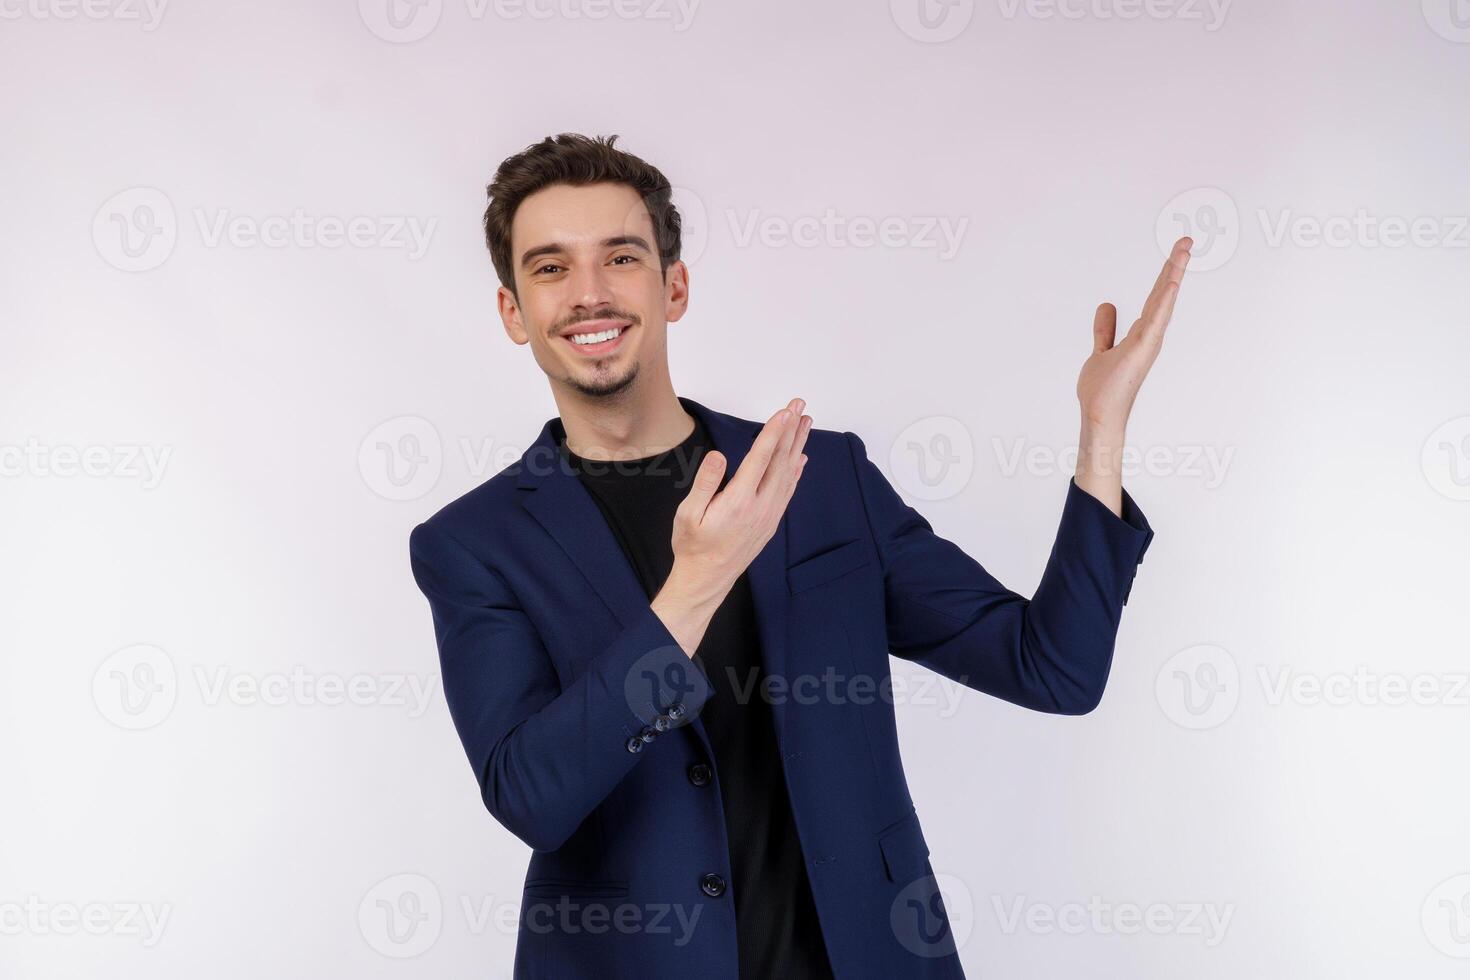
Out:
{"x": 845, "y": 557}
{"x": 905, "y": 852}
{"x": 557, "y": 887}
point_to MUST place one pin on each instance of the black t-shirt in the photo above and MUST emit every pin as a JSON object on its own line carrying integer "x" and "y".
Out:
{"x": 776, "y": 920}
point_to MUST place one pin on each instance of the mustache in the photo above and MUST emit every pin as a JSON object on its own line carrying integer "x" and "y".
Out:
{"x": 599, "y": 315}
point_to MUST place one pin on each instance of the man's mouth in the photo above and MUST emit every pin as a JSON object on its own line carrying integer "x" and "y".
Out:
{"x": 597, "y": 338}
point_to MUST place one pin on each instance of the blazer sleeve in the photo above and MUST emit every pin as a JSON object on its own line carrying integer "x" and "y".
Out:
{"x": 1051, "y": 652}
{"x": 545, "y": 756}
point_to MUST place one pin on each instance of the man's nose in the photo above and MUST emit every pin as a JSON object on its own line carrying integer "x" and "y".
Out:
{"x": 590, "y": 287}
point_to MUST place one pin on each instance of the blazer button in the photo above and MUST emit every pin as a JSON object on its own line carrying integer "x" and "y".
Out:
{"x": 635, "y": 744}
{"x": 699, "y": 774}
{"x": 676, "y": 710}
{"x": 648, "y": 734}
{"x": 713, "y": 885}
{"x": 661, "y": 723}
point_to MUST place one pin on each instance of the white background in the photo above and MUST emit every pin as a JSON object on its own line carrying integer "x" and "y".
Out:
{"x": 268, "y": 542}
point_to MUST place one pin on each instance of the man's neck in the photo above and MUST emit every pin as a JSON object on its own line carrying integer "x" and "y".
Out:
{"x": 620, "y": 427}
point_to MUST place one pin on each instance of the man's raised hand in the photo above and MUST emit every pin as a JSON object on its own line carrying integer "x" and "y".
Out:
{"x": 717, "y": 533}
{"x": 1111, "y": 377}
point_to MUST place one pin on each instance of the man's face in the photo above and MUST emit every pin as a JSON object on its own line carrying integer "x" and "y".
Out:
{"x": 586, "y": 263}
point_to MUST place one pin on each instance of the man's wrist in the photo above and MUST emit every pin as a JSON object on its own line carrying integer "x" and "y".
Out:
{"x": 1100, "y": 449}
{"x": 1100, "y": 462}
{"x": 686, "y": 608}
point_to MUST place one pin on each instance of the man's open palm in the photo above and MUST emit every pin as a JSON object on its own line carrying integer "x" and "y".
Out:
{"x": 1111, "y": 377}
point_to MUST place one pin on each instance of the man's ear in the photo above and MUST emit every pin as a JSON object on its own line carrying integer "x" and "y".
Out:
{"x": 676, "y": 291}
{"x": 510, "y": 316}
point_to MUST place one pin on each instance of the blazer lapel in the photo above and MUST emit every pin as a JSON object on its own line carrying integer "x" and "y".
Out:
{"x": 565, "y": 508}
{"x": 571, "y": 516}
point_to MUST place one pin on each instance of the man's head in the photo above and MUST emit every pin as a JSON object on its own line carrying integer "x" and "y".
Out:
{"x": 585, "y": 239}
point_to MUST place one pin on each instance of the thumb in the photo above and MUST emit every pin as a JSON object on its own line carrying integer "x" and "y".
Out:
{"x": 1104, "y": 327}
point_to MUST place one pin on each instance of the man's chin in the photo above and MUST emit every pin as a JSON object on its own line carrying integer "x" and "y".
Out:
{"x": 596, "y": 384}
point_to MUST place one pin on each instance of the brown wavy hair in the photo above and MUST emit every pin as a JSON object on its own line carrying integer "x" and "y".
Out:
{"x": 571, "y": 158}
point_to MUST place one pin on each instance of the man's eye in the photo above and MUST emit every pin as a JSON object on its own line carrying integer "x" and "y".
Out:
{"x": 630, "y": 258}
{"x": 546, "y": 267}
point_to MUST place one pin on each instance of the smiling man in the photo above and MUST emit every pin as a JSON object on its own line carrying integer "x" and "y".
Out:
{"x": 631, "y": 620}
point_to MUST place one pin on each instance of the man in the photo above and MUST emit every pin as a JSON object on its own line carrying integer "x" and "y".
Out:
{"x": 628, "y": 616}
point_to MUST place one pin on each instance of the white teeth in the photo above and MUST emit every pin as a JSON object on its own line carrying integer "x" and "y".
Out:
{"x": 596, "y": 338}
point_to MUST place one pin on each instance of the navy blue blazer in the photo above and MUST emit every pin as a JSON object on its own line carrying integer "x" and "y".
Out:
{"x": 580, "y": 713}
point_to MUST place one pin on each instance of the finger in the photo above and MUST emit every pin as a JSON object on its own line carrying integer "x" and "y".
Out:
{"x": 1104, "y": 327}
{"x": 797, "y": 470}
{"x": 803, "y": 430}
{"x": 793, "y": 468}
{"x": 1172, "y": 272}
{"x": 783, "y": 459}
{"x": 702, "y": 491}
{"x": 1150, "y": 330}
{"x": 748, "y": 477}
{"x": 1165, "y": 312}
{"x": 793, "y": 474}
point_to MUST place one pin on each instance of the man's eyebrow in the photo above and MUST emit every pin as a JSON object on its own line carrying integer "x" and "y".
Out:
{"x": 557, "y": 248}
